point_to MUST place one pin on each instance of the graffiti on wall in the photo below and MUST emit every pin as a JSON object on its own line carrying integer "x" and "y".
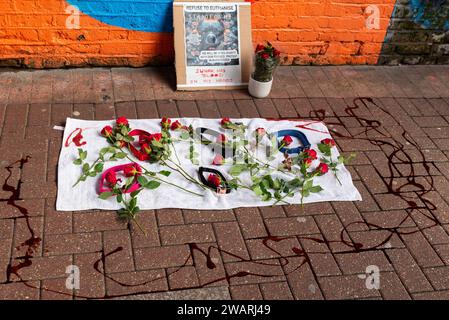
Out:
{"x": 430, "y": 13}
{"x": 148, "y": 16}
{"x": 418, "y": 33}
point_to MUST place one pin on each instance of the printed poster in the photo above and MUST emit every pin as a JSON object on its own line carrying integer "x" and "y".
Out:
{"x": 212, "y": 44}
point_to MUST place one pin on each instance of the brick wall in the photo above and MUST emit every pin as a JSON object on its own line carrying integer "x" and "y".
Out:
{"x": 33, "y": 33}
{"x": 418, "y": 33}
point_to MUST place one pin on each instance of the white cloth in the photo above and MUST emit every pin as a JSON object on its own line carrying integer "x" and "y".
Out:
{"x": 85, "y": 195}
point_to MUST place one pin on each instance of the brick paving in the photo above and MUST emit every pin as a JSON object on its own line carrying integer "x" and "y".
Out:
{"x": 395, "y": 118}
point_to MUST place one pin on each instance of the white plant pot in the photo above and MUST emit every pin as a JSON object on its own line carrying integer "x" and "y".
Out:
{"x": 259, "y": 89}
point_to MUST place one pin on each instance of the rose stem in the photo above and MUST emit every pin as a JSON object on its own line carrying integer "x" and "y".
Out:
{"x": 83, "y": 175}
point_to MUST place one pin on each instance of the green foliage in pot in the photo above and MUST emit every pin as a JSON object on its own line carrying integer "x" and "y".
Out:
{"x": 267, "y": 59}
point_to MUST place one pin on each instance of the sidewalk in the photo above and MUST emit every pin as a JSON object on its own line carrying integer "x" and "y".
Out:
{"x": 395, "y": 118}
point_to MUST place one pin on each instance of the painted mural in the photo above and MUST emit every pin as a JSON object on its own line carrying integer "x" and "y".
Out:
{"x": 418, "y": 33}
{"x": 154, "y": 16}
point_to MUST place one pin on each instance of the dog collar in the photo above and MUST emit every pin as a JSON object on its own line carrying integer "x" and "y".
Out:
{"x": 298, "y": 135}
{"x": 204, "y": 181}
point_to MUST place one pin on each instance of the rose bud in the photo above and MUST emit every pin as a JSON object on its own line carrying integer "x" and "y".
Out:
{"x": 132, "y": 170}
{"x": 225, "y": 122}
{"x": 260, "y": 47}
{"x": 145, "y": 148}
{"x": 106, "y": 131}
{"x": 156, "y": 136}
{"x": 214, "y": 180}
{"x": 276, "y": 53}
{"x": 121, "y": 121}
{"x": 222, "y": 138}
{"x": 287, "y": 140}
{"x": 122, "y": 143}
{"x": 265, "y": 56}
{"x": 111, "y": 178}
{"x": 329, "y": 142}
{"x": 323, "y": 168}
{"x": 310, "y": 154}
{"x": 260, "y": 132}
{"x": 165, "y": 122}
{"x": 176, "y": 125}
{"x": 218, "y": 160}
{"x": 307, "y": 162}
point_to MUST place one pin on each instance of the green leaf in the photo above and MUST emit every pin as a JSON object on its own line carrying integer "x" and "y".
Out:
{"x": 105, "y": 195}
{"x": 132, "y": 203}
{"x": 277, "y": 184}
{"x": 308, "y": 184}
{"x": 82, "y": 154}
{"x": 324, "y": 148}
{"x": 129, "y": 182}
{"x": 92, "y": 174}
{"x": 124, "y": 130}
{"x": 78, "y": 162}
{"x": 120, "y": 155}
{"x": 257, "y": 190}
{"x": 142, "y": 180}
{"x": 119, "y": 198}
{"x": 316, "y": 189}
{"x": 266, "y": 196}
{"x": 99, "y": 167}
{"x": 165, "y": 173}
{"x": 135, "y": 193}
{"x": 86, "y": 168}
{"x": 152, "y": 184}
{"x": 296, "y": 182}
{"x": 157, "y": 144}
{"x": 237, "y": 169}
{"x": 185, "y": 135}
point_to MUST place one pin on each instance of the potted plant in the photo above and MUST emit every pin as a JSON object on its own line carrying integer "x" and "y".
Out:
{"x": 266, "y": 60}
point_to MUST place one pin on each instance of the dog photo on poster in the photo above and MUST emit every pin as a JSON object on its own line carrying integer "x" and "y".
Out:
{"x": 212, "y": 44}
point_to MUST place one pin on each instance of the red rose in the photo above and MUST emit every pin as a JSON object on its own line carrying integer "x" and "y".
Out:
{"x": 165, "y": 122}
{"x": 218, "y": 160}
{"x": 310, "y": 154}
{"x": 121, "y": 121}
{"x": 214, "y": 180}
{"x": 260, "y": 132}
{"x": 276, "y": 53}
{"x": 323, "y": 168}
{"x": 176, "y": 125}
{"x": 111, "y": 178}
{"x": 106, "y": 131}
{"x": 307, "y": 162}
{"x": 225, "y": 122}
{"x": 260, "y": 47}
{"x": 132, "y": 170}
{"x": 265, "y": 56}
{"x": 145, "y": 147}
{"x": 329, "y": 142}
{"x": 156, "y": 136}
{"x": 221, "y": 138}
{"x": 287, "y": 140}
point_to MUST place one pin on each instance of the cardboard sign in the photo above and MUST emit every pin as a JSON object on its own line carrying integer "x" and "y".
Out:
{"x": 213, "y": 44}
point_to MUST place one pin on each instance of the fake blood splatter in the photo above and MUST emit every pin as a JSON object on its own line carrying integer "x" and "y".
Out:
{"x": 32, "y": 243}
{"x": 397, "y": 185}
{"x": 75, "y": 137}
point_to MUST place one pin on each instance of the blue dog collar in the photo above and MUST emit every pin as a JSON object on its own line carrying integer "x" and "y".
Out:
{"x": 293, "y": 133}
